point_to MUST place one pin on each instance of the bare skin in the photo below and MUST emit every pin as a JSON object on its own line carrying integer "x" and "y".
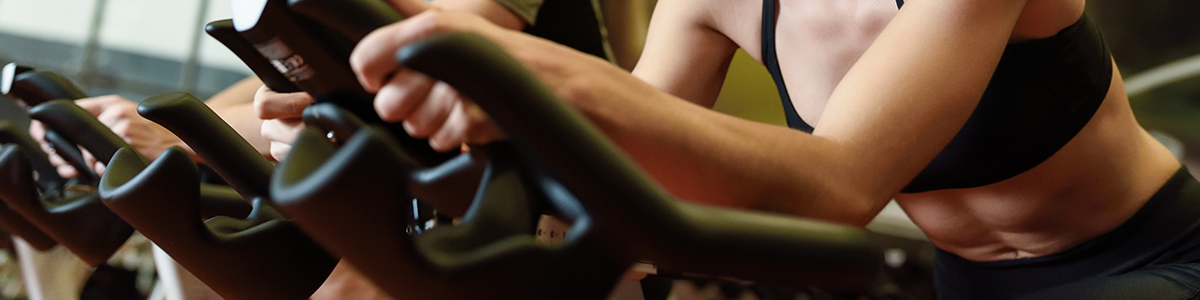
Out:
{"x": 148, "y": 138}
{"x": 893, "y": 91}
{"x": 1079, "y": 193}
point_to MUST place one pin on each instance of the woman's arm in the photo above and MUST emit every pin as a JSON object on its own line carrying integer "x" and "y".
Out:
{"x": 897, "y": 107}
{"x": 684, "y": 54}
{"x": 235, "y": 105}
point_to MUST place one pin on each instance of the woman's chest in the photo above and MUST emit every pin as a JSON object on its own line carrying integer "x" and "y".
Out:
{"x": 815, "y": 42}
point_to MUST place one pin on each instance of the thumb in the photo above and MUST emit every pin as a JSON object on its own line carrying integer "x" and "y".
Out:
{"x": 409, "y": 8}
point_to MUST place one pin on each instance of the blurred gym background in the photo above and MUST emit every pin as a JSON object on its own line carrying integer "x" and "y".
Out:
{"x": 140, "y": 48}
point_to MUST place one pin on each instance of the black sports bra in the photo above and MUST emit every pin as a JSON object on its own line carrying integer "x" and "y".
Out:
{"x": 1043, "y": 92}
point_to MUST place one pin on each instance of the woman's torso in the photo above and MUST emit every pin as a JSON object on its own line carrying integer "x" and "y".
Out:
{"x": 1091, "y": 185}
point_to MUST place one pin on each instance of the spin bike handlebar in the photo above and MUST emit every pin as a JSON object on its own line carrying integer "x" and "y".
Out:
{"x": 34, "y": 87}
{"x": 12, "y": 221}
{"x": 31, "y": 87}
{"x": 261, "y": 257}
{"x": 76, "y": 219}
{"x": 78, "y": 222}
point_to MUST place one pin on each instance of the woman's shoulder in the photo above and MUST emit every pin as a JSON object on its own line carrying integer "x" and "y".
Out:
{"x": 737, "y": 20}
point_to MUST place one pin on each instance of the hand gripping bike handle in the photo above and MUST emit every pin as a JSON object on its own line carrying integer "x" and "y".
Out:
{"x": 234, "y": 159}
{"x": 315, "y": 56}
{"x": 625, "y": 205}
{"x": 80, "y": 126}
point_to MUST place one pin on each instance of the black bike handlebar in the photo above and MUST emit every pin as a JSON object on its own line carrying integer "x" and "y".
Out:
{"x": 234, "y": 159}
{"x": 262, "y": 257}
{"x": 81, "y": 224}
{"x": 552, "y": 135}
{"x": 224, "y": 32}
{"x": 84, "y": 129}
{"x": 34, "y": 87}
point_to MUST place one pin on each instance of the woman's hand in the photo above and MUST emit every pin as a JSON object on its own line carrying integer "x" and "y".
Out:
{"x": 281, "y": 118}
{"x": 428, "y": 108}
{"x": 38, "y": 131}
{"x": 119, "y": 115}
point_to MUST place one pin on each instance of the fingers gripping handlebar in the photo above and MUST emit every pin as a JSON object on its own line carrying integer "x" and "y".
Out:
{"x": 315, "y": 57}
{"x": 625, "y": 207}
{"x": 70, "y": 120}
{"x": 32, "y": 87}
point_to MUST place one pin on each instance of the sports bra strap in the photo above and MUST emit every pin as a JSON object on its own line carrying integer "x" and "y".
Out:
{"x": 772, "y": 63}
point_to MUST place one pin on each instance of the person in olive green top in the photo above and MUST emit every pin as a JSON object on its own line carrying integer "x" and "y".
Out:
{"x": 573, "y": 23}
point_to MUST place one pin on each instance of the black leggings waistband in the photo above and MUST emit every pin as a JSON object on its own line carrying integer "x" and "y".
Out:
{"x": 1163, "y": 231}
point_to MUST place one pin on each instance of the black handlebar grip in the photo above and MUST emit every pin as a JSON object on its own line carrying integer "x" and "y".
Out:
{"x": 32, "y": 88}
{"x": 469, "y": 260}
{"x": 80, "y": 126}
{"x": 224, "y": 32}
{"x": 37, "y": 87}
{"x": 48, "y": 178}
{"x": 449, "y": 186}
{"x": 317, "y": 64}
{"x": 70, "y": 153}
{"x": 354, "y": 19}
{"x": 81, "y": 224}
{"x": 264, "y": 258}
{"x": 243, "y": 167}
{"x": 219, "y": 200}
{"x": 341, "y": 123}
{"x": 8, "y": 74}
{"x": 11, "y": 220}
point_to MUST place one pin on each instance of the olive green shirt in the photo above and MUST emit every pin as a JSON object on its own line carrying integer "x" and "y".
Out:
{"x": 526, "y": 9}
{"x": 575, "y": 23}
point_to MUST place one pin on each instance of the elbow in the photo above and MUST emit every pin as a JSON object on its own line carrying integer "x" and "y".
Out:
{"x": 851, "y": 207}
{"x": 848, "y": 206}
{"x": 859, "y": 210}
